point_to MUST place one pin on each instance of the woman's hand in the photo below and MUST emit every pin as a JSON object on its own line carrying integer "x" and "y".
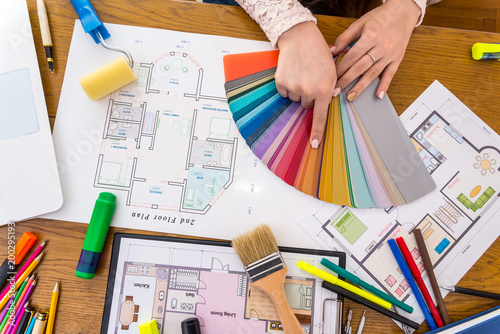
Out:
{"x": 381, "y": 36}
{"x": 306, "y": 73}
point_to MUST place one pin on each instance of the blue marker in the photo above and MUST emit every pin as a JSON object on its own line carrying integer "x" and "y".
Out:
{"x": 409, "y": 278}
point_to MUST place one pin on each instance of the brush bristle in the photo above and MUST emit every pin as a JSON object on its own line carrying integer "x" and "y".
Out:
{"x": 255, "y": 245}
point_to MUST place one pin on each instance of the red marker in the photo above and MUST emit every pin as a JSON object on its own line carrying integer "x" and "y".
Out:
{"x": 418, "y": 277}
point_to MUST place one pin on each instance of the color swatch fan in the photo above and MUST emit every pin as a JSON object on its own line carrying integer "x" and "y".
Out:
{"x": 366, "y": 158}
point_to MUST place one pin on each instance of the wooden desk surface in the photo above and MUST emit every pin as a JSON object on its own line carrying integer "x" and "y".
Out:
{"x": 433, "y": 53}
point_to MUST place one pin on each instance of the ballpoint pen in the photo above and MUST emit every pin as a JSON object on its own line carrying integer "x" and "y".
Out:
{"x": 471, "y": 292}
{"x": 407, "y": 275}
{"x": 420, "y": 282}
{"x": 426, "y": 260}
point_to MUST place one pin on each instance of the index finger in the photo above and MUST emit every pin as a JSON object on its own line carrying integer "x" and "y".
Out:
{"x": 320, "y": 113}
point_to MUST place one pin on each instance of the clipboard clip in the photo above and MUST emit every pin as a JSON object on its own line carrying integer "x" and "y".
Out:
{"x": 338, "y": 329}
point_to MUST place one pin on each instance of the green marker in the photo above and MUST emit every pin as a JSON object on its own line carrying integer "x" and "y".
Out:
{"x": 96, "y": 235}
{"x": 358, "y": 281}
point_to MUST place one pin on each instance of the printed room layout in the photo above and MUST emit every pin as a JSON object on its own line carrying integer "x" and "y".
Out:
{"x": 165, "y": 143}
{"x": 468, "y": 181}
{"x": 172, "y": 279}
{"x": 170, "y": 294}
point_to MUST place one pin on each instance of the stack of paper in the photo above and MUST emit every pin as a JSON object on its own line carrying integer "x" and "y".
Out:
{"x": 365, "y": 159}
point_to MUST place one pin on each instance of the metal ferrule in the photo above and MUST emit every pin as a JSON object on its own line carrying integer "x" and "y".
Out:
{"x": 265, "y": 266}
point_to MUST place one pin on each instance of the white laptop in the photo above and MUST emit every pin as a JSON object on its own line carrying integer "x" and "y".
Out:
{"x": 29, "y": 179}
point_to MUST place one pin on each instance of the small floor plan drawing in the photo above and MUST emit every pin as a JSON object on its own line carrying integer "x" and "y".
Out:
{"x": 163, "y": 115}
{"x": 464, "y": 160}
{"x": 186, "y": 280}
{"x": 178, "y": 292}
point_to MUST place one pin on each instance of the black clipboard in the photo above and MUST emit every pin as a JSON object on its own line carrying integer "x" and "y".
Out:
{"x": 341, "y": 256}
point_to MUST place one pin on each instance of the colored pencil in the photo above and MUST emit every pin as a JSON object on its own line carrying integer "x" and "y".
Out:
{"x": 24, "y": 290}
{"x": 18, "y": 319}
{"x": 25, "y": 300}
{"x": 356, "y": 280}
{"x": 426, "y": 259}
{"x": 25, "y": 274}
{"x": 26, "y": 265}
{"x": 420, "y": 282}
{"x": 407, "y": 275}
{"x": 20, "y": 291}
{"x": 52, "y": 311}
{"x": 4, "y": 315}
{"x": 23, "y": 324}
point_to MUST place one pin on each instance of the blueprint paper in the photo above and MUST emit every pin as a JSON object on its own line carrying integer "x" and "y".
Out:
{"x": 166, "y": 145}
{"x": 459, "y": 220}
{"x": 169, "y": 280}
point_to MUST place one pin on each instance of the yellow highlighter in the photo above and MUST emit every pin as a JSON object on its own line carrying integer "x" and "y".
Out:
{"x": 334, "y": 280}
{"x": 486, "y": 51}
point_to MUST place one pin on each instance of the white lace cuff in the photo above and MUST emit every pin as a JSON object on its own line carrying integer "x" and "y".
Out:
{"x": 422, "y": 4}
{"x": 276, "y": 16}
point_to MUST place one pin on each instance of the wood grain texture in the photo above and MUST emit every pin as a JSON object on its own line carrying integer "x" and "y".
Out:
{"x": 464, "y": 14}
{"x": 433, "y": 53}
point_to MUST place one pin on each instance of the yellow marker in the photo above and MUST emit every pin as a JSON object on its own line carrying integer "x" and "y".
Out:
{"x": 149, "y": 327}
{"x": 335, "y": 280}
{"x": 489, "y": 51}
{"x": 52, "y": 311}
{"x": 21, "y": 279}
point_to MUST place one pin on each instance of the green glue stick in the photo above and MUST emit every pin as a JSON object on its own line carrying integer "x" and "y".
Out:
{"x": 96, "y": 235}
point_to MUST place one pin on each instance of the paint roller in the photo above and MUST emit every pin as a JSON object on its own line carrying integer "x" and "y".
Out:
{"x": 112, "y": 76}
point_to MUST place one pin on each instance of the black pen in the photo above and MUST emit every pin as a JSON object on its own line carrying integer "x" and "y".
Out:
{"x": 45, "y": 30}
{"x": 471, "y": 292}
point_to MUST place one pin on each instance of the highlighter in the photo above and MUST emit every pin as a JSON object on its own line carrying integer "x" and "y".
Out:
{"x": 486, "y": 51}
{"x": 96, "y": 235}
{"x": 334, "y": 280}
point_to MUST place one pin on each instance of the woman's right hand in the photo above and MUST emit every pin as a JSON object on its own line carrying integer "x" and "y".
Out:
{"x": 306, "y": 73}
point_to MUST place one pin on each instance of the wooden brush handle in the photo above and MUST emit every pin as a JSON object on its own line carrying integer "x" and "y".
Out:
{"x": 274, "y": 286}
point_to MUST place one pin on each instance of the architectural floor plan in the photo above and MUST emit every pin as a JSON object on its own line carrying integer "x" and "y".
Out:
{"x": 169, "y": 281}
{"x": 166, "y": 145}
{"x": 463, "y": 156}
{"x": 161, "y": 116}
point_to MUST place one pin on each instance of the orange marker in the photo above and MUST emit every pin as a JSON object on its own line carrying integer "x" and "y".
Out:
{"x": 16, "y": 256}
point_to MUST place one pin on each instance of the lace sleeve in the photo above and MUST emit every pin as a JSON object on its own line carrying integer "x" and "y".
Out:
{"x": 422, "y": 4}
{"x": 276, "y": 16}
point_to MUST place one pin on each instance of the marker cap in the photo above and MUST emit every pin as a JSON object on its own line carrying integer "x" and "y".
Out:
{"x": 24, "y": 245}
{"x": 96, "y": 235}
{"x": 191, "y": 326}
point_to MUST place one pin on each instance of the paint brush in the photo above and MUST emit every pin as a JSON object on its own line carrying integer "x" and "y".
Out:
{"x": 259, "y": 253}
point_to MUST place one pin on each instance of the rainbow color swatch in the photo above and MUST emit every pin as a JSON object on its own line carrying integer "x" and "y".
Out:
{"x": 366, "y": 159}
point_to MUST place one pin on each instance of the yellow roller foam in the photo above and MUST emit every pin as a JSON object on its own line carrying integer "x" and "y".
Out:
{"x": 107, "y": 79}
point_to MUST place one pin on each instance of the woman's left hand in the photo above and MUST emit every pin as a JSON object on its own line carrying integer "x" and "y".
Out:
{"x": 381, "y": 36}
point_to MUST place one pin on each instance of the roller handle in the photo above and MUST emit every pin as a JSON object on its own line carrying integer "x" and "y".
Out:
{"x": 90, "y": 20}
